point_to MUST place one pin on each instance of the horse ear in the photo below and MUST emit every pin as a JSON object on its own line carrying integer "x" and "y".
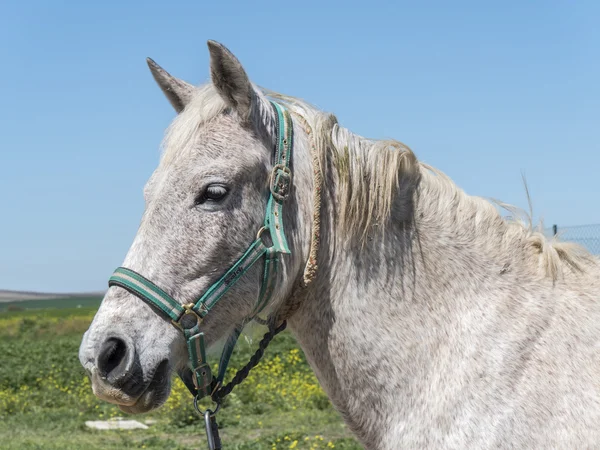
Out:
{"x": 230, "y": 79}
{"x": 178, "y": 92}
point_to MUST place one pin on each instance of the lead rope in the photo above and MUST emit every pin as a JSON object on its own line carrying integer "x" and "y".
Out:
{"x": 219, "y": 393}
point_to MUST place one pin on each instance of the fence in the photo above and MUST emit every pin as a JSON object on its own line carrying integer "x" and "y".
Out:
{"x": 585, "y": 235}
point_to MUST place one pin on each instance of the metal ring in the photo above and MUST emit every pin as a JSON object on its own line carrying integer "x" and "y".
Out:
{"x": 212, "y": 413}
{"x": 196, "y": 404}
{"x": 260, "y": 232}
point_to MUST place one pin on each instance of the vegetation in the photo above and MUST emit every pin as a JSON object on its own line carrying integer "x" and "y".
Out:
{"x": 45, "y": 397}
{"x": 70, "y": 302}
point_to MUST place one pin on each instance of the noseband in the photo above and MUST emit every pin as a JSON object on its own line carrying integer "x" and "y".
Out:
{"x": 189, "y": 317}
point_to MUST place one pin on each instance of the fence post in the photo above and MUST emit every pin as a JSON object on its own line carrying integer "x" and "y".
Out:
{"x": 555, "y": 229}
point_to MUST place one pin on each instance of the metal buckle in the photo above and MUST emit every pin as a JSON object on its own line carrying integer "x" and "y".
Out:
{"x": 281, "y": 182}
{"x": 207, "y": 379}
{"x": 189, "y": 310}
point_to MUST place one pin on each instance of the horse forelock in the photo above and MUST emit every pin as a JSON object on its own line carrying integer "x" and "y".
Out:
{"x": 179, "y": 136}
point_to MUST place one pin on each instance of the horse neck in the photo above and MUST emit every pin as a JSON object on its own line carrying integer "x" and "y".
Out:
{"x": 377, "y": 311}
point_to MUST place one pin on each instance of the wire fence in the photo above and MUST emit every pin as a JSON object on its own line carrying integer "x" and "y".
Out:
{"x": 585, "y": 235}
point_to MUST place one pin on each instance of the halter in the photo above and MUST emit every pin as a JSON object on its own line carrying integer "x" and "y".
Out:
{"x": 188, "y": 317}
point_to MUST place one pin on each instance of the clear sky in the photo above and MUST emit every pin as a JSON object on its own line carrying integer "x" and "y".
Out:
{"x": 484, "y": 91}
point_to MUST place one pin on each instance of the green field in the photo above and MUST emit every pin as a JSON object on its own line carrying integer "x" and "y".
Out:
{"x": 45, "y": 398}
{"x": 70, "y": 302}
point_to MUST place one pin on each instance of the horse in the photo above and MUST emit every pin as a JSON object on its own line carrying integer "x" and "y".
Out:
{"x": 430, "y": 319}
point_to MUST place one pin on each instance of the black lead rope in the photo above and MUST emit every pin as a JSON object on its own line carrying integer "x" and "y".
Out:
{"x": 217, "y": 396}
{"x": 243, "y": 373}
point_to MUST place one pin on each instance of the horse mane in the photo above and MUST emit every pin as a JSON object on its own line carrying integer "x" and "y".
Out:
{"x": 372, "y": 174}
{"x": 514, "y": 235}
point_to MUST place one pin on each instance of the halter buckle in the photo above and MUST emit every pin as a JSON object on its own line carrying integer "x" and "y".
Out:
{"x": 189, "y": 310}
{"x": 281, "y": 182}
{"x": 206, "y": 375}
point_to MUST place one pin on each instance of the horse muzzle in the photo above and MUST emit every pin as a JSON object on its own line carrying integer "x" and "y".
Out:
{"x": 117, "y": 376}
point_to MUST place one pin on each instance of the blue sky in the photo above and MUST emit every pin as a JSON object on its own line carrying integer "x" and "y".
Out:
{"x": 484, "y": 91}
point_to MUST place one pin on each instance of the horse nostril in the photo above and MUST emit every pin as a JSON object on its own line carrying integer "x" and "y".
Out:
{"x": 112, "y": 360}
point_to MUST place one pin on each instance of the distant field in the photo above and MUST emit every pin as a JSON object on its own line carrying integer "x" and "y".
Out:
{"x": 54, "y": 303}
{"x": 18, "y": 296}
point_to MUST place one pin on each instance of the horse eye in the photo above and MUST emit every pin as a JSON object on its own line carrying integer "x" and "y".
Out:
{"x": 213, "y": 192}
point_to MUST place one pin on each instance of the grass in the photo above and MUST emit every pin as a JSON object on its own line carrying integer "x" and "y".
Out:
{"x": 45, "y": 398}
{"x": 69, "y": 302}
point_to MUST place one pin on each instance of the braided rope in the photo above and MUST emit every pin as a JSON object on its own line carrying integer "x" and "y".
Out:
{"x": 243, "y": 373}
{"x": 310, "y": 270}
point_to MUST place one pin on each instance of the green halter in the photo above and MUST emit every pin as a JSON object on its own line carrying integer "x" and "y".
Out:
{"x": 188, "y": 317}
